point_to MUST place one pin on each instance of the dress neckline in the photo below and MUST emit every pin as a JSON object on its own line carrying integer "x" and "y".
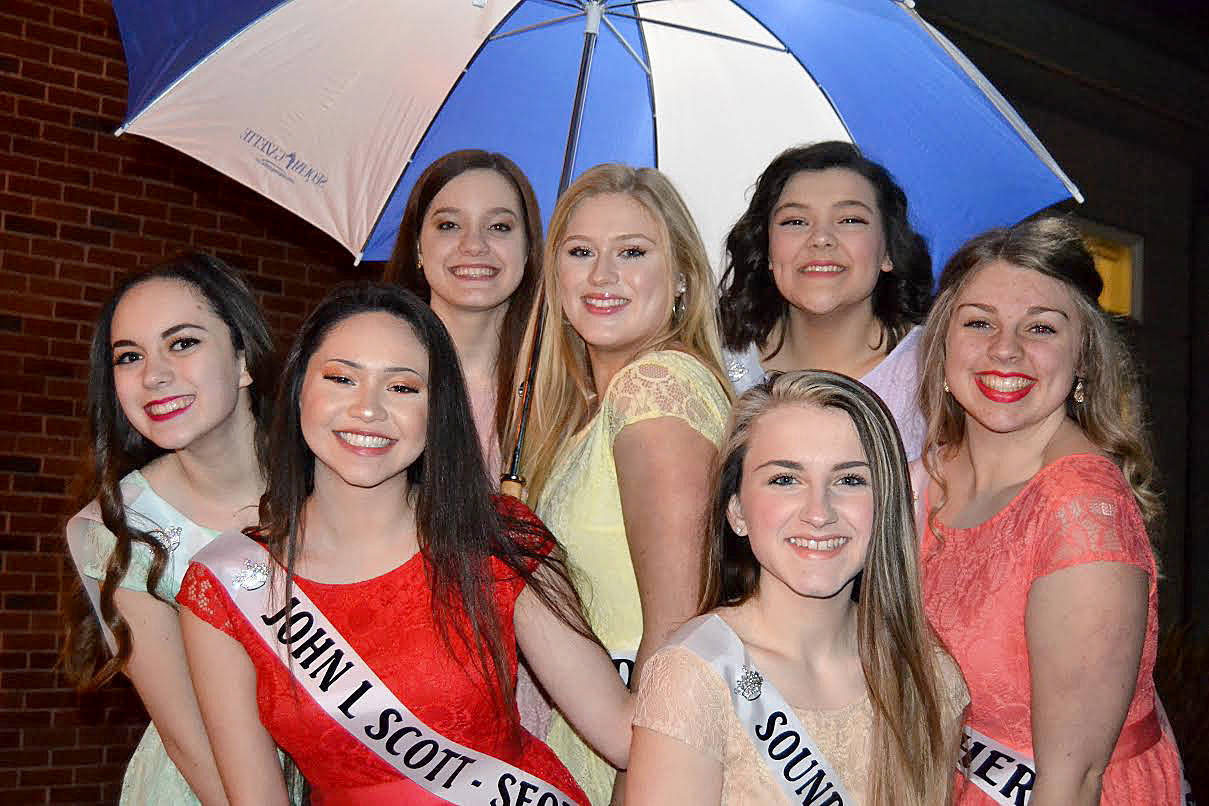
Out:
{"x": 370, "y": 581}
{"x": 1016, "y": 499}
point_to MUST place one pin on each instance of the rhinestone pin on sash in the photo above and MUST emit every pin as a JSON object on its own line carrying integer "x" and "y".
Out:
{"x": 252, "y": 576}
{"x": 169, "y": 538}
{"x": 749, "y": 684}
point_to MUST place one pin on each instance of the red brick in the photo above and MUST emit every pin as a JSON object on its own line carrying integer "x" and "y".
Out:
{"x": 62, "y": 96}
{"x": 64, "y": 173}
{"x": 28, "y": 186}
{"x": 22, "y": 86}
{"x": 53, "y": 211}
{"x": 77, "y": 22}
{"x": 51, "y": 36}
{"x": 33, "y": 108}
{"x": 27, "y": 9}
{"x": 44, "y": 73}
{"x": 24, "y": 48}
{"x": 92, "y": 198}
{"x": 76, "y": 60}
{"x": 69, "y": 136}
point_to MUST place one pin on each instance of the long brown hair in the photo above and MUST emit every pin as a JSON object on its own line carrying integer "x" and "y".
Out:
{"x": 564, "y": 392}
{"x": 115, "y": 448}
{"x": 458, "y": 527}
{"x": 913, "y": 749}
{"x": 1112, "y": 414}
{"x": 404, "y": 266}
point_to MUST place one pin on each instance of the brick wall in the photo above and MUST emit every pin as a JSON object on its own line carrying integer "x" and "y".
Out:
{"x": 81, "y": 207}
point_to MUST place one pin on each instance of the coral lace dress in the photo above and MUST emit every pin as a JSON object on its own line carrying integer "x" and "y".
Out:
{"x": 1077, "y": 510}
{"x": 388, "y": 620}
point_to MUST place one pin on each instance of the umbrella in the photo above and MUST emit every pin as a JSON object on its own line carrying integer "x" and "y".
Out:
{"x": 332, "y": 108}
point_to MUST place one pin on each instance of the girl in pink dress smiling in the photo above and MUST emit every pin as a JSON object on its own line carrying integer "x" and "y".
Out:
{"x": 1038, "y": 570}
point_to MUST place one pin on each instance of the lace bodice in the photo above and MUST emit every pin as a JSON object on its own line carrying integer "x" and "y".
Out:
{"x": 895, "y": 379}
{"x": 1078, "y": 509}
{"x": 581, "y": 504}
{"x": 683, "y": 697}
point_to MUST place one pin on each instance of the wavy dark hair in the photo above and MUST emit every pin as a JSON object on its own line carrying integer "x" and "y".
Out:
{"x": 115, "y": 448}
{"x": 912, "y": 750}
{"x": 750, "y": 303}
{"x": 404, "y": 266}
{"x": 458, "y": 526}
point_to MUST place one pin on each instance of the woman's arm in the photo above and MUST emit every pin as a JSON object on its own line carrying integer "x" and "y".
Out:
{"x": 663, "y": 473}
{"x": 225, "y": 681}
{"x": 1085, "y": 627}
{"x": 666, "y": 770}
{"x": 578, "y": 675}
{"x": 160, "y": 674}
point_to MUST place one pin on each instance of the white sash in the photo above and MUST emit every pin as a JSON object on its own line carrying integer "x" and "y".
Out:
{"x": 781, "y": 740}
{"x": 348, "y": 690}
{"x": 1004, "y": 775}
{"x": 623, "y": 660}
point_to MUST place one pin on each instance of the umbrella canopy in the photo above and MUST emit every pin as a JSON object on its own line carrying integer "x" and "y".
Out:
{"x": 332, "y": 108}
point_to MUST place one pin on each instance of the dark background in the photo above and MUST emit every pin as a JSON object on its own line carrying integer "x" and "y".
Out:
{"x": 1117, "y": 90}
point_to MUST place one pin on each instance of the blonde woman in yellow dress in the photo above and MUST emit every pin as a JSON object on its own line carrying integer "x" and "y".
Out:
{"x": 630, "y": 401}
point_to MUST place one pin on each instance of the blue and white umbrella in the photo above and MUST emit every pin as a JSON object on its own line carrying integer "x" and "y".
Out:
{"x": 332, "y": 108}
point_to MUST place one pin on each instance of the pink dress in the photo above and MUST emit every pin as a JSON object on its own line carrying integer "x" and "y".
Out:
{"x": 1079, "y": 509}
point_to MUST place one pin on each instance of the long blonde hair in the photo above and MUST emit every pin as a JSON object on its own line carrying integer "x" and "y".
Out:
{"x": 1112, "y": 412}
{"x": 564, "y": 393}
{"x": 913, "y": 749}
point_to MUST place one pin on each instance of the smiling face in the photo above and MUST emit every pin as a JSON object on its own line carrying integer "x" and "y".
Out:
{"x": 176, "y": 373}
{"x": 1012, "y": 348}
{"x": 473, "y": 243}
{"x": 826, "y": 245}
{"x": 614, "y": 280}
{"x": 364, "y": 402}
{"x": 805, "y": 501}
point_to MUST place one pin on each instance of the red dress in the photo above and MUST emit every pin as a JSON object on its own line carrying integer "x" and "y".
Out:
{"x": 388, "y": 620}
{"x": 1076, "y": 510}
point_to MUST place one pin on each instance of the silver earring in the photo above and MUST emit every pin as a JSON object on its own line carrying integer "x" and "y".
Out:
{"x": 946, "y": 386}
{"x": 1078, "y": 394}
{"x": 678, "y": 308}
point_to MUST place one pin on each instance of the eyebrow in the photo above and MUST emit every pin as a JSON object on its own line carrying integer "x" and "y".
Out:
{"x": 1033, "y": 310}
{"x": 625, "y": 236}
{"x": 172, "y": 331}
{"x": 492, "y": 211}
{"x": 800, "y": 206}
{"x": 355, "y": 365}
{"x": 789, "y": 464}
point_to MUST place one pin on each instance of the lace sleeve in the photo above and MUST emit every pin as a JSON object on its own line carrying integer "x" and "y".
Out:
{"x": 666, "y": 384}
{"x": 99, "y": 544}
{"x": 681, "y": 697}
{"x": 203, "y": 595}
{"x": 1089, "y": 515}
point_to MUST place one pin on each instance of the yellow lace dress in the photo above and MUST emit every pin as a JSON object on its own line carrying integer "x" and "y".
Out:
{"x": 581, "y": 504}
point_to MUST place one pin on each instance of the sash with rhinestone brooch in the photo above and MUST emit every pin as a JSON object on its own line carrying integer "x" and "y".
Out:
{"x": 146, "y": 512}
{"x": 326, "y": 666}
{"x": 784, "y": 746}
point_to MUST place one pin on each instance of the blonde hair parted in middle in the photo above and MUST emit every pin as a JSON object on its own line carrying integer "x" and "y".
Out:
{"x": 912, "y": 750}
{"x": 565, "y": 397}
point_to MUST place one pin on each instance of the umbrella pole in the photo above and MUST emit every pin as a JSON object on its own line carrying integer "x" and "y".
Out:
{"x": 513, "y": 483}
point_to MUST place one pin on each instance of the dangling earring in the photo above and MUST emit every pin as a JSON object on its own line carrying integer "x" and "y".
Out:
{"x": 1078, "y": 394}
{"x": 946, "y": 386}
{"x": 681, "y": 290}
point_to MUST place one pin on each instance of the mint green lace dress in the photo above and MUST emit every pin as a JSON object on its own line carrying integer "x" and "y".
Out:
{"x": 151, "y": 777}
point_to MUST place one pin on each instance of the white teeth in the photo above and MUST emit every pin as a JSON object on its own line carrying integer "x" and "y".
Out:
{"x": 829, "y": 269}
{"x": 830, "y": 544}
{"x": 611, "y": 302}
{"x": 160, "y": 409}
{"x": 364, "y": 440}
{"x": 475, "y": 272}
{"x": 1011, "y": 384}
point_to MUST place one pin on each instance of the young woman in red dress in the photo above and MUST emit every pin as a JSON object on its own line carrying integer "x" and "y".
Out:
{"x": 379, "y": 510}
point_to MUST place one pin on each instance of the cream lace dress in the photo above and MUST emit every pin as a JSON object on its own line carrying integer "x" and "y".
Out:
{"x": 581, "y": 504}
{"x": 683, "y": 697}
